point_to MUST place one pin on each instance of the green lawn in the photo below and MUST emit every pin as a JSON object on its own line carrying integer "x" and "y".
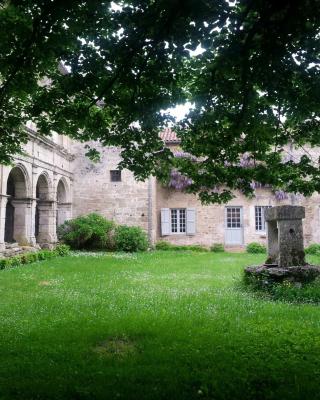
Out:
{"x": 163, "y": 325}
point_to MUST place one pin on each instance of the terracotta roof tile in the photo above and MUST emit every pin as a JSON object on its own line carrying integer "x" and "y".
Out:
{"x": 168, "y": 136}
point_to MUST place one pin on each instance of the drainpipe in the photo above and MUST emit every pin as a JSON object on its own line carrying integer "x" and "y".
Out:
{"x": 1, "y": 180}
{"x": 150, "y": 206}
{"x": 292, "y": 195}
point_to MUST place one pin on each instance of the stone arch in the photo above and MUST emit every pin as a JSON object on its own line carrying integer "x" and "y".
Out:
{"x": 18, "y": 205}
{"x": 62, "y": 191}
{"x": 43, "y": 187}
{"x": 42, "y": 209}
{"x": 63, "y": 202}
{"x": 18, "y": 182}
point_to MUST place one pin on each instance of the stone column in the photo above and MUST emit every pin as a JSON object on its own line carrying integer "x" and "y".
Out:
{"x": 47, "y": 222}
{"x": 3, "y": 204}
{"x": 285, "y": 235}
{"x": 33, "y": 205}
{"x": 23, "y": 233}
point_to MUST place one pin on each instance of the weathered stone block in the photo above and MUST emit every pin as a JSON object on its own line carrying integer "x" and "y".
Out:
{"x": 285, "y": 235}
{"x": 284, "y": 213}
{"x": 266, "y": 274}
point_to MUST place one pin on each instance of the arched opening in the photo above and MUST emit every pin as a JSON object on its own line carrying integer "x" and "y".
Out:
{"x": 42, "y": 196}
{"x": 63, "y": 207}
{"x": 16, "y": 190}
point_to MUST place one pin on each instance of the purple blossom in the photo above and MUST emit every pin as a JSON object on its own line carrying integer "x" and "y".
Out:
{"x": 280, "y": 195}
{"x": 258, "y": 185}
{"x": 182, "y": 154}
{"x": 246, "y": 161}
{"x": 178, "y": 181}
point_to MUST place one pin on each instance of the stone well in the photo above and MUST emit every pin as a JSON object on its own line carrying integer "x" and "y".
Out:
{"x": 285, "y": 235}
{"x": 286, "y": 257}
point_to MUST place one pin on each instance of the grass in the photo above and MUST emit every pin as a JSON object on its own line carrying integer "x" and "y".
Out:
{"x": 162, "y": 325}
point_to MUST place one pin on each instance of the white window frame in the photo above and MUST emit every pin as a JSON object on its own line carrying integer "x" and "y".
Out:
{"x": 179, "y": 211}
{"x": 262, "y": 217}
{"x": 234, "y": 216}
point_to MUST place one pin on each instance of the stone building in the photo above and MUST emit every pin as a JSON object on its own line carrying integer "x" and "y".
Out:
{"x": 53, "y": 181}
{"x": 234, "y": 224}
{"x": 36, "y": 191}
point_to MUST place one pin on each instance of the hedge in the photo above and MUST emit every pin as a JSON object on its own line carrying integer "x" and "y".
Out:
{"x": 60, "y": 250}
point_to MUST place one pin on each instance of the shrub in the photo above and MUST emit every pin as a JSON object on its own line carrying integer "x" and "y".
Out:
{"x": 42, "y": 254}
{"x": 64, "y": 229}
{"x": 256, "y": 248}
{"x": 5, "y": 263}
{"x": 15, "y": 261}
{"x": 163, "y": 245}
{"x": 193, "y": 247}
{"x": 130, "y": 238}
{"x": 91, "y": 231}
{"x": 62, "y": 249}
{"x": 28, "y": 258}
{"x": 217, "y": 248}
{"x": 314, "y": 248}
{"x": 287, "y": 291}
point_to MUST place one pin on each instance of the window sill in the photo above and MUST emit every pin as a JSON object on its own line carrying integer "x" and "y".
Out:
{"x": 262, "y": 234}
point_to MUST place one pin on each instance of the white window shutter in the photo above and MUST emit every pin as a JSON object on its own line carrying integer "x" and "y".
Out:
{"x": 165, "y": 221}
{"x": 191, "y": 221}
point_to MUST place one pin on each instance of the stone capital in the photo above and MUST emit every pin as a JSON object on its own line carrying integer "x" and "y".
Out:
{"x": 20, "y": 203}
{"x": 284, "y": 213}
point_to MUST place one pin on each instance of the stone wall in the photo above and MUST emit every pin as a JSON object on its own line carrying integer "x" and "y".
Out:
{"x": 127, "y": 202}
{"x": 65, "y": 176}
{"x": 210, "y": 219}
{"x": 33, "y": 204}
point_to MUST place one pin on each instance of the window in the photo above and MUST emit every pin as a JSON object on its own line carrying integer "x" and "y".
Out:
{"x": 233, "y": 217}
{"x": 115, "y": 175}
{"x": 259, "y": 218}
{"x": 178, "y": 220}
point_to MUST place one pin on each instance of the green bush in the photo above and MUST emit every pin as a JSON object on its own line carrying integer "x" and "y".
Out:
{"x": 255, "y": 248}
{"x": 64, "y": 229}
{"x": 314, "y": 249}
{"x": 28, "y": 258}
{"x": 217, "y": 248}
{"x": 296, "y": 293}
{"x": 91, "y": 231}
{"x": 287, "y": 291}
{"x": 130, "y": 238}
{"x": 193, "y": 247}
{"x": 4, "y": 263}
{"x": 163, "y": 245}
{"x": 62, "y": 249}
{"x": 42, "y": 254}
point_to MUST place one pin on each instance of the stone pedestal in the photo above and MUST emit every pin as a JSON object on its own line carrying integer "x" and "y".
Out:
{"x": 285, "y": 235}
{"x": 47, "y": 222}
{"x": 286, "y": 258}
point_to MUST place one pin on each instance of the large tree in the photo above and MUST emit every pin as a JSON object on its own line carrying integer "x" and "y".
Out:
{"x": 255, "y": 88}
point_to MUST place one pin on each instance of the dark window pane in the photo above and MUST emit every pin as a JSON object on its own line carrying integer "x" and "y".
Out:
{"x": 115, "y": 175}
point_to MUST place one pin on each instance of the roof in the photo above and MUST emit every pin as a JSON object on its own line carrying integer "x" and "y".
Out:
{"x": 169, "y": 136}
